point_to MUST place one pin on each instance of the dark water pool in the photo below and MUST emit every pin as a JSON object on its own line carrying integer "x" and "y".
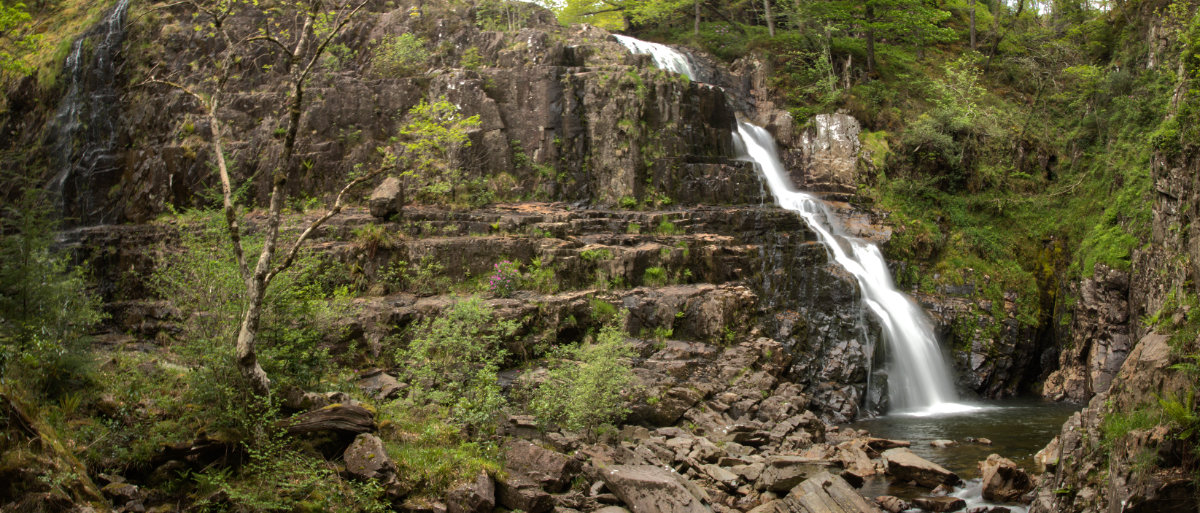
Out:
{"x": 1018, "y": 429}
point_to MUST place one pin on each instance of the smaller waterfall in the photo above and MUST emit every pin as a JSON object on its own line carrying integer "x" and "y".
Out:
{"x": 664, "y": 56}
{"x": 85, "y": 134}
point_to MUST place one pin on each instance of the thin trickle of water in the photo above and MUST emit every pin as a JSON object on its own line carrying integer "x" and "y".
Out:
{"x": 919, "y": 380}
{"x": 85, "y": 135}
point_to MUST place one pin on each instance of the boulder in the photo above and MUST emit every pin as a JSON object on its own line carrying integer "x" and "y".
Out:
{"x": 387, "y": 199}
{"x": 942, "y": 444}
{"x": 891, "y": 503}
{"x": 822, "y": 493}
{"x": 781, "y": 473}
{"x": 366, "y": 458}
{"x": 478, "y": 496}
{"x": 1002, "y": 480}
{"x": 1047, "y": 458}
{"x": 647, "y": 489}
{"x": 520, "y": 494}
{"x": 939, "y": 504}
{"x": 335, "y": 418}
{"x": 380, "y": 385}
{"x": 552, "y": 470}
{"x": 906, "y": 466}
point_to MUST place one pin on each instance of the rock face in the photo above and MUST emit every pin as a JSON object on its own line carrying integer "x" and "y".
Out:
{"x": 1100, "y": 338}
{"x": 1002, "y": 480}
{"x": 648, "y": 489}
{"x": 478, "y": 496}
{"x": 939, "y": 504}
{"x": 829, "y": 152}
{"x": 904, "y": 465}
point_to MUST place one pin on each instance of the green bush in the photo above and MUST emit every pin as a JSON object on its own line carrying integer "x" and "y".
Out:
{"x": 453, "y": 360}
{"x": 587, "y": 384}
{"x": 400, "y": 56}
{"x": 46, "y": 308}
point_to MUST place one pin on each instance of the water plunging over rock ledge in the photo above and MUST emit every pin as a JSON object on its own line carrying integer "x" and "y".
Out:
{"x": 919, "y": 381}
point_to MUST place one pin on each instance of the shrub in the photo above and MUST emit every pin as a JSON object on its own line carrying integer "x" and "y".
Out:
{"x": 655, "y": 277}
{"x": 587, "y": 384}
{"x": 400, "y": 56}
{"x": 505, "y": 278}
{"x": 453, "y": 361}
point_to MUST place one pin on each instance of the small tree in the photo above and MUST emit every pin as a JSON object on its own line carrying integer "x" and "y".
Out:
{"x": 453, "y": 361}
{"x": 301, "y": 50}
{"x": 587, "y": 384}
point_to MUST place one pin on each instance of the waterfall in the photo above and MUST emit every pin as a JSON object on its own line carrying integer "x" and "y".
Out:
{"x": 919, "y": 381}
{"x": 85, "y": 129}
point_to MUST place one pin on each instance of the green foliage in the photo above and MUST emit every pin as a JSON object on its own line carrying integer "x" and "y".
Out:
{"x": 654, "y": 276}
{"x": 471, "y": 59}
{"x": 432, "y": 454}
{"x": 540, "y": 277}
{"x": 423, "y": 157}
{"x": 400, "y": 56}
{"x": 666, "y": 227}
{"x": 372, "y": 237}
{"x": 505, "y": 278}
{"x": 596, "y": 254}
{"x": 1118, "y": 424}
{"x": 453, "y": 359}
{"x": 587, "y": 384}
{"x": 16, "y": 30}
{"x": 280, "y": 478}
{"x": 46, "y": 308}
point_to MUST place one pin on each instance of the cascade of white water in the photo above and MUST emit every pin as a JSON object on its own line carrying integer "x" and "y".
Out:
{"x": 919, "y": 380}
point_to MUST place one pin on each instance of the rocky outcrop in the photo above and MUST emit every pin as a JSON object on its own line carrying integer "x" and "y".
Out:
{"x": 828, "y": 156}
{"x": 822, "y": 493}
{"x": 387, "y": 199}
{"x": 648, "y": 489}
{"x": 1002, "y": 480}
{"x": 1101, "y": 338}
{"x": 904, "y": 465}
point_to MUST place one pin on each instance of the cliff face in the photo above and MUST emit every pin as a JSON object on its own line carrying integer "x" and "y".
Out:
{"x": 1133, "y": 448}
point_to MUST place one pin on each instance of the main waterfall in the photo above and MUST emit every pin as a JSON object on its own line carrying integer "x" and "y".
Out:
{"x": 919, "y": 381}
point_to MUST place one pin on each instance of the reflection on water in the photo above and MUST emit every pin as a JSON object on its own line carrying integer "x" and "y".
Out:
{"x": 1018, "y": 429}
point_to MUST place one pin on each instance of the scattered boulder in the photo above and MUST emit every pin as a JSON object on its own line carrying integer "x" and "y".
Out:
{"x": 882, "y": 444}
{"x": 939, "y": 504}
{"x": 366, "y": 458}
{"x": 520, "y": 494}
{"x": 822, "y": 493}
{"x": 942, "y": 444}
{"x": 380, "y": 385}
{"x": 647, "y": 489}
{"x": 552, "y": 470}
{"x": 989, "y": 509}
{"x": 891, "y": 503}
{"x": 387, "y": 199}
{"x": 1003, "y": 481}
{"x": 478, "y": 496}
{"x": 782, "y": 473}
{"x": 906, "y": 466}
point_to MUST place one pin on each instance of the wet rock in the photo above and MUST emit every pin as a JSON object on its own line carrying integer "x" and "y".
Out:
{"x": 942, "y": 444}
{"x": 387, "y": 199}
{"x": 829, "y": 155}
{"x": 989, "y": 509}
{"x": 366, "y": 458}
{"x": 478, "y": 496}
{"x": 906, "y": 466}
{"x": 891, "y": 503}
{"x": 1100, "y": 338}
{"x": 1046, "y": 459}
{"x": 939, "y": 504}
{"x": 647, "y": 489}
{"x": 782, "y": 473}
{"x": 1002, "y": 480}
{"x": 552, "y": 470}
{"x": 882, "y": 444}
{"x": 822, "y": 493}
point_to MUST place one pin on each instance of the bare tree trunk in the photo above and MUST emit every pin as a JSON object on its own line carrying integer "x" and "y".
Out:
{"x": 972, "y": 25}
{"x": 696, "y": 25}
{"x": 770, "y": 18}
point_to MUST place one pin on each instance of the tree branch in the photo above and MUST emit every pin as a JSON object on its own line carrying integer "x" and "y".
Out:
{"x": 231, "y": 221}
{"x": 312, "y": 227}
